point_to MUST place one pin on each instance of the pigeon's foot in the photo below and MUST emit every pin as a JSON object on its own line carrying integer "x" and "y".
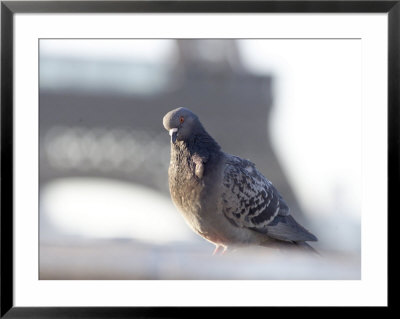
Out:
{"x": 219, "y": 249}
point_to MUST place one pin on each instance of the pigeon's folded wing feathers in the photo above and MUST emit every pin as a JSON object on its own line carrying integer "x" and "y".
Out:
{"x": 287, "y": 229}
{"x": 249, "y": 200}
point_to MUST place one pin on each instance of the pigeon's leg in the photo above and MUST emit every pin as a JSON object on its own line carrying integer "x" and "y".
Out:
{"x": 217, "y": 248}
{"x": 220, "y": 249}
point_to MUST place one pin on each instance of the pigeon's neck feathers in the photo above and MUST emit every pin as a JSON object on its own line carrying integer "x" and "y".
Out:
{"x": 201, "y": 141}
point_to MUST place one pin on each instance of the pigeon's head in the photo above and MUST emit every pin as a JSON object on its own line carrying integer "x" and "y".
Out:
{"x": 182, "y": 124}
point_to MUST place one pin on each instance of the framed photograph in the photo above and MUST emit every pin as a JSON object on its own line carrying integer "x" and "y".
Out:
{"x": 164, "y": 155}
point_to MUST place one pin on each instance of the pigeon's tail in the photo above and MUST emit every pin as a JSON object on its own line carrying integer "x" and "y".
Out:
{"x": 293, "y": 246}
{"x": 306, "y": 247}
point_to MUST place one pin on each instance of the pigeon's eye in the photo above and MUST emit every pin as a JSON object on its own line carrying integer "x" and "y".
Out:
{"x": 181, "y": 119}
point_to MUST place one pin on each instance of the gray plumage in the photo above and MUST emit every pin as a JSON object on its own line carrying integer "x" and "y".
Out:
{"x": 224, "y": 198}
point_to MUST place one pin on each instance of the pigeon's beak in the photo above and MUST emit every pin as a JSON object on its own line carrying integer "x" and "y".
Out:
{"x": 172, "y": 133}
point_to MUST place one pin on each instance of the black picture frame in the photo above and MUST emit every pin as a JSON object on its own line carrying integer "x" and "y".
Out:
{"x": 9, "y": 8}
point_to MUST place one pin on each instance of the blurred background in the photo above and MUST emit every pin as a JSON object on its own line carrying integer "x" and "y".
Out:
{"x": 293, "y": 107}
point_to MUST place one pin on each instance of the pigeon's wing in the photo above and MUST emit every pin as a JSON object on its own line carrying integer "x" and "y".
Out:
{"x": 286, "y": 228}
{"x": 249, "y": 200}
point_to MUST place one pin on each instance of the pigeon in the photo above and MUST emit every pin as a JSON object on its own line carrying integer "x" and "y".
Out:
{"x": 222, "y": 197}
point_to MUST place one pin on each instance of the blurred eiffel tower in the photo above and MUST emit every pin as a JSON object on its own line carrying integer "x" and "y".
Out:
{"x": 207, "y": 77}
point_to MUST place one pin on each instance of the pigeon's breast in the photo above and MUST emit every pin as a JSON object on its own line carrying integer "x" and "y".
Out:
{"x": 186, "y": 191}
{"x": 194, "y": 197}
